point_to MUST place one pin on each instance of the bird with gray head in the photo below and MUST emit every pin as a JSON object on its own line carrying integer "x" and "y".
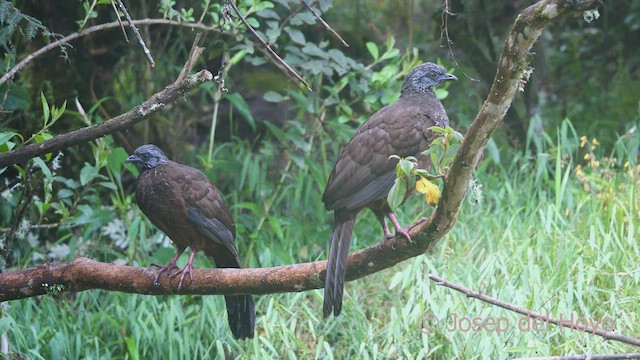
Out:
{"x": 182, "y": 202}
{"x": 364, "y": 174}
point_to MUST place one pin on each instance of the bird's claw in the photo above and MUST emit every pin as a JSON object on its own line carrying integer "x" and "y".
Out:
{"x": 162, "y": 269}
{"x": 405, "y": 233}
{"x": 186, "y": 270}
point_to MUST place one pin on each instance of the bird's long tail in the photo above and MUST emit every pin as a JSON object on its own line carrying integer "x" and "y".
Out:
{"x": 336, "y": 266}
{"x": 240, "y": 309}
{"x": 242, "y": 315}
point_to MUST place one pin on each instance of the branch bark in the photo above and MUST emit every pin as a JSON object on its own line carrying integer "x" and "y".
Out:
{"x": 82, "y": 274}
{"x": 156, "y": 102}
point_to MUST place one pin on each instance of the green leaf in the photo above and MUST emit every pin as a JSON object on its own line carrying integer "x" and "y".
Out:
{"x": 6, "y": 324}
{"x": 263, "y": 5}
{"x": 253, "y": 22}
{"x": 42, "y": 137}
{"x": 438, "y": 129}
{"x": 87, "y": 174}
{"x": 272, "y": 96}
{"x": 406, "y": 166}
{"x": 373, "y": 50}
{"x": 276, "y": 227}
{"x": 397, "y": 193}
{"x": 56, "y": 113}
{"x": 108, "y": 185}
{"x": 115, "y": 160}
{"x": 5, "y": 144}
{"x": 296, "y": 35}
{"x": 441, "y": 93}
{"x": 243, "y": 108}
{"x": 237, "y": 57}
{"x": 45, "y": 109}
{"x": 45, "y": 169}
{"x": 6, "y": 136}
{"x": 64, "y": 193}
{"x": 132, "y": 348}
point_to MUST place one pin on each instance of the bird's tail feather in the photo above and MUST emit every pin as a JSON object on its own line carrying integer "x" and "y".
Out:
{"x": 336, "y": 267}
{"x": 240, "y": 308}
{"x": 242, "y": 315}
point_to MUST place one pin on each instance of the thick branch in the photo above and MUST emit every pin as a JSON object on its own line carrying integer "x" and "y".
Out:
{"x": 121, "y": 122}
{"x": 83, "y": 274}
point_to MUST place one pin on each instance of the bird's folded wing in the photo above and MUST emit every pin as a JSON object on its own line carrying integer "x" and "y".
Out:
{"x": 212, "y": 228}
{"x": 364, "y": 172}
{"x": 206, "y": 209}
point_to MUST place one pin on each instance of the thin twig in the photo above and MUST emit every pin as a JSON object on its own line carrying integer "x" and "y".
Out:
{"x": 266, "y": 46}
{"x": 219, "y": 79}
{"x": 444, "y": 33}
{"x": 327, "y": 26}
{"x": 204, "y": 11}
{"x": 505, "y": 305}
{"x": 93, "y": 29}
{"x": 194, "y": 54}
{"x": 115, "y": 9}
{"x": 137, "y": 33}
{"x": 39, "y": 226}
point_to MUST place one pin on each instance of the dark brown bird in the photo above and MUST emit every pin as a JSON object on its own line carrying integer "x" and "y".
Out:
{"x": 182, "y": 202}
{"x": 364, "y": 174}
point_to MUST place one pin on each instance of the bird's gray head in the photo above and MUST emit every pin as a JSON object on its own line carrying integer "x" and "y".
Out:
{"x": 147, "y": 157}
{"x": 424, "y": 77}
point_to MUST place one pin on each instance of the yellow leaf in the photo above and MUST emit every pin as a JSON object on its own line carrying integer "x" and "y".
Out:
{"x": 430, "y": 190}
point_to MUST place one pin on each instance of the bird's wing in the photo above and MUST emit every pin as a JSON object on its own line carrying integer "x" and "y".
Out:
{"x": 364, "y": 172}
{"x": 206, "y": 209}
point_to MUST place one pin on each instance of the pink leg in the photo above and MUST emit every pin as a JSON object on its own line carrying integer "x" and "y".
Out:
{"x": 187, "y": 269}
{"x": 396, "y": 225}
{"x": 170, "y": 266}
{"x": 383, "y": 223}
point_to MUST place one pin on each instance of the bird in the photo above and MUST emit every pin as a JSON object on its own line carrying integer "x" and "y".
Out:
{"x": 364, "y": 174}
{"x": 182, "y": 202}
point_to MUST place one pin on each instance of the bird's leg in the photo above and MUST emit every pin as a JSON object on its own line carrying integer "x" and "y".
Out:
{"x": 187, "y": 269}
{"x": 399, "y": 229}
{"x": 170, "y": 266}
{"x": 383, "y": 223}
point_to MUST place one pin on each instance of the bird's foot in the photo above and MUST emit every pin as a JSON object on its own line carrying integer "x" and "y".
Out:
{"x": 162, "y": 269}
{"x": 404, "y": 233}
{"x": 186, "y": 270}
{"x": 399, "y": 230}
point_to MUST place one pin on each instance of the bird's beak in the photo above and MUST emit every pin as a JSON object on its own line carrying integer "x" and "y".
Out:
{"x": 449, "y": 77}
{"x": 132, "y": 159}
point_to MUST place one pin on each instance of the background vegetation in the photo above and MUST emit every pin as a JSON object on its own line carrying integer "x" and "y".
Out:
{"x": 555, "y": 230}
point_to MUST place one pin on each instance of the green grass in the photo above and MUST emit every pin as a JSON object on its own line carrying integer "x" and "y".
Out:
{"x": 551, "y": 247}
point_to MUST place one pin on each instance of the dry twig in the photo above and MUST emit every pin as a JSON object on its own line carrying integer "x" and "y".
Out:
{"x": 194, "y": 54}
{"x": 115, "y": 9}
{"x": 324, "y": 23}
{"x": 277, "y": 57}
{"x": 137, "y": 33}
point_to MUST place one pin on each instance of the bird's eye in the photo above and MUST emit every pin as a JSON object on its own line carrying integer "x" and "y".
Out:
{"x": 432, "y": 75}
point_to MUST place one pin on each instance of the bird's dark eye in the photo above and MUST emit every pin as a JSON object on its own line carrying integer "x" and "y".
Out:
{"x": 432, "y": 75}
